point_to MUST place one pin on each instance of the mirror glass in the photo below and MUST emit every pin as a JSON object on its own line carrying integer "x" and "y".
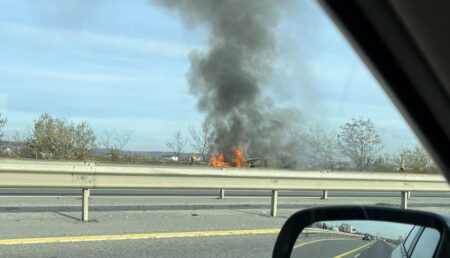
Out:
{"x": 366, "y": 239}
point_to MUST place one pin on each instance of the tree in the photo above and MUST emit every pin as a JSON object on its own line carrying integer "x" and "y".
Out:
{"x": 177, "y": 145}
{"x": 410, "y": 159}
{"x": 21, "y": 138}
{"x": 320, "y": 148}
{"x": 3, "y": 122}
{"x": 84, "y": 140}
{"x": 202, "y": 139}
{"x": 58, "y": 138}
{"x": 359, "y": 141}
{"x": 386, "y": 163}
{"x": 114, "y": 142}
{"x": 415, "y": 159}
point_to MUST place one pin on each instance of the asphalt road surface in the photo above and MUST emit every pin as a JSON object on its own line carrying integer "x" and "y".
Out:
{"x": 49, "y": 226}
{"x": 378, "y": 249}
{"x": 201, "y": 247}
{"x": 342, "y": 248}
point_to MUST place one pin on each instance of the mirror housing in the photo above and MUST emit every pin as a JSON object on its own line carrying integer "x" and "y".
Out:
{"x": 302, "y": 219}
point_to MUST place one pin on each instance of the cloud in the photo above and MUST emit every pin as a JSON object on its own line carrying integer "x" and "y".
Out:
{"x": 48, "y": 35}
{"x": 69, "y": 76}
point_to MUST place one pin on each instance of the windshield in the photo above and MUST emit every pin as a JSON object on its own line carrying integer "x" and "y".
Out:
{"x": 168, "y": 128}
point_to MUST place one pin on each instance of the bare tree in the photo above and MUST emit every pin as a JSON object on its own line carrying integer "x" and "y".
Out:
{"x": 3, "y": 122}
{"x": 114, "y": 142}
{"x": 386, "y": 162}
{"x": 320, "y": 148}
{"x": 414, "y": 159}
{"x": 202, "y": 139}
{"x": 20, "y": 139}
{"x": 177, "y": 145}
{"x": 84, "y": 140}
{"x": 359, "y": 141}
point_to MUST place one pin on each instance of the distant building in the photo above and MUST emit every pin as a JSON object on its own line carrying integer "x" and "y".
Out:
{"x": 7, "y": 152}
{"x": 169, "y": 157}
{"x": 347, "y": 228}
{"x": 9, "y": 148}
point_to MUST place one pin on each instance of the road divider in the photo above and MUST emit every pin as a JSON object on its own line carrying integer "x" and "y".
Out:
{"x": 40, "y": 174}
{"x": 48, "y": 240}
{"x": 353, "y": 250}
{"x": 314, "y": 235}
{"x": 320, "y": 240}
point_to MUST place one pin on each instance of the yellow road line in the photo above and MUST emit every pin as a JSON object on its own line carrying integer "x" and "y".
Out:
{"x": 135, "y": 236}
{"x": 352, "y": 251}
{"x": 315, "y": 241}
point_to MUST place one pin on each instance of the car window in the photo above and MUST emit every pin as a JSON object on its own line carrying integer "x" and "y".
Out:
{"x": 427, "y": 243}
{"x": 411, "y": 237}
{"x": 168, "y": 83}
{"x": 199, "y": 90}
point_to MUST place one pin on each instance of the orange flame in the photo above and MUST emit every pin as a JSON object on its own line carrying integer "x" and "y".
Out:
{"x": 217, "y": 160}
{"x": 238, "y": 157}
{"x": 237, "y": 161}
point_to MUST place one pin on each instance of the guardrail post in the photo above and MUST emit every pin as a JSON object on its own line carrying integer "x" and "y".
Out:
{"x": 324, "y": 195}
{"x": 273, "y": 206}
{"x": 404, "y": 200}
{"x": 222, "y": 194}
{"x": 85, "y": 212}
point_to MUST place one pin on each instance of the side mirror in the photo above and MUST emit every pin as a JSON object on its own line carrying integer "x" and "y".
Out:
{"x": 363, "y": 232}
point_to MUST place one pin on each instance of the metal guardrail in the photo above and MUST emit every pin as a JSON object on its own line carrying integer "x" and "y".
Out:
{"x": 311, "y": 235}
{"x": 41, "y": 174}
{"x": 315, "y": 233}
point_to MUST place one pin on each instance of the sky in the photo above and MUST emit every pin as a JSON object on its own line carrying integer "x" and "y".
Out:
{"x": 122, "y": 65}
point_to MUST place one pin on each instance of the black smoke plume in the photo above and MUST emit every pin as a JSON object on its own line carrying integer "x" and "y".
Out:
{"x": 228, "y": 78}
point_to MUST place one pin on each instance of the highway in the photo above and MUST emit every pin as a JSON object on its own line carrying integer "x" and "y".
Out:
{"x": 159, "y": 226}
{"x": 203, "y": 247}
{"x": 340, "y": 248}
